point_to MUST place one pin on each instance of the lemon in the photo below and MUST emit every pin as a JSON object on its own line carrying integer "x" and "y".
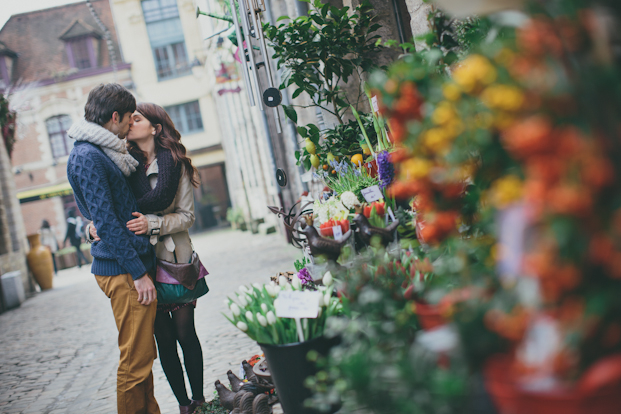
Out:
{"x": 365, "y": 148}
{"x": 310, "y": 146}
{"x": 357, "y": 159}
{"x": 331, "y": 157}
{"x": 314, "y": 159}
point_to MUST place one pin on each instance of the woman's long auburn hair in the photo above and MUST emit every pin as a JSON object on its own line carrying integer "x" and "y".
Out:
{"x": 167, "y": 137}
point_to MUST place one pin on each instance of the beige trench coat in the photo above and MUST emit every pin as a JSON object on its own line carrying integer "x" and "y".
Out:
{"x": 173, "y": 222}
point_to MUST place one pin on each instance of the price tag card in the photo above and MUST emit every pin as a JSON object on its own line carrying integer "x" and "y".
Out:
{"x": 372, "y": 194}
{"x": 374, "y": 103}
{"x": 297, "y": 304}
{"x": 337, "y": 232}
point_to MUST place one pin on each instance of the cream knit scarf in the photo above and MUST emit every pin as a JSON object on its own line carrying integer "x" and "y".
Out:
{"x": 111, "y": 145}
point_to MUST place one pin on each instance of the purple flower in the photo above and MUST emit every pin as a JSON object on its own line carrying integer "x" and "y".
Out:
{"x": 304, "y": 276}
{"x": 385, "y": 169}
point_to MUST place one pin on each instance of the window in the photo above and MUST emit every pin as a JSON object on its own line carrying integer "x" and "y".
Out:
{"x": 81, "y": 53}
{"x": 166, "y": 38}
{"x": 171, "y": 60}
{"x": 57, "y": 127}
{"x": 156, "y": 10}
{"x": 186, "y": 117}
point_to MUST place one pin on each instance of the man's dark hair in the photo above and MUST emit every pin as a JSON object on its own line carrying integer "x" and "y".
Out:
{"x": 106, "y": 99}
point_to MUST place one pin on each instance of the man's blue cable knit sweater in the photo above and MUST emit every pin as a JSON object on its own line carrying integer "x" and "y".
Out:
{"x": 104, "y": 196}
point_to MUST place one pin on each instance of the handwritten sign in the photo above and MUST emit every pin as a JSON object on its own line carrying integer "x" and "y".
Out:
{"x": 372, "y": 193}
{"x": 374, "y": 103}
{"x": 337, "y": 232}
{"x": 297, "y": 304}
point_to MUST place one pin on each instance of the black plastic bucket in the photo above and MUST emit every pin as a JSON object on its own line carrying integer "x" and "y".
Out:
{"x": 289, "y": 368}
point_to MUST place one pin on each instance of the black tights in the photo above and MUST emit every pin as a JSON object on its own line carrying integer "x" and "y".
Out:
{"x": 170, "y": 328}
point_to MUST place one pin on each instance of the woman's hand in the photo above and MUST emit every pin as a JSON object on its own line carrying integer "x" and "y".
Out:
{"x": 93, "y": 232}
{"x": 139, "y": 225}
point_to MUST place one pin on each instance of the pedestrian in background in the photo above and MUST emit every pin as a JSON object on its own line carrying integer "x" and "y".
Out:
{"x": 74, "y": 235}
{"x": 48, "y": 238}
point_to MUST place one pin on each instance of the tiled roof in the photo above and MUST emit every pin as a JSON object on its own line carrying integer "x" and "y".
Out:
{"x": 35, "y": 37}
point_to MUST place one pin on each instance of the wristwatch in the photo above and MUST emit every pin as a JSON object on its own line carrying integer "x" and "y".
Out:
{"x": 155, "y": 232}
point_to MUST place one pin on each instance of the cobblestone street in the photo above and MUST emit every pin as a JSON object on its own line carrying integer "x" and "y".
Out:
{"x": 59, "y": 351}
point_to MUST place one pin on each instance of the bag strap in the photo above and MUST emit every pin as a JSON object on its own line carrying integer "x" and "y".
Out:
{"x": 175, "y": 254}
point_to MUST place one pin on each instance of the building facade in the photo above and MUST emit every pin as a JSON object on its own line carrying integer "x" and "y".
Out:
{"x": 49, "y": 62}
{"x": 161, "y": 39}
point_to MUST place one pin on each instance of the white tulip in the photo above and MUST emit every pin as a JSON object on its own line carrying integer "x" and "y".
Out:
{"x": 321, "y": 301}
{"x": 288, "y": 286}
{"x": 271, "y": 318}
{"x": 282, "y": 281}
{"x": 270, "y": 290}
{"x": 261, "y": 319}
{"x": 319, "y": 312}
{"x": 264, "y": 307}
{"x": 235, "y": 309}
{"x": 242, "y": 326}
{"x": 276, "y": 290}
{"x": 327, "y": 297}
{"x": 242, "y": 300}
{"x": 297, "y": 284}
{"x": 258, "y": 286}
{"x": 327, "y": 278}
{"x": 243, "y": 289}
{"x": 249, "y": 316}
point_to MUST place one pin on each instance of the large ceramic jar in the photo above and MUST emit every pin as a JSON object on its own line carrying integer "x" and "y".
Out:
{"x": 40, "y": 262}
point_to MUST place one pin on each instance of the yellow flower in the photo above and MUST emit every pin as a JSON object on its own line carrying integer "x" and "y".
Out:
{"x": 506, "y": 190}
{"x": 475, "y": 70}
{"x": 437, "y": 140}
{"x": 416, "y": 168}
{"x": 451, "y": 92}
{"x": 444, "y": 113}
{"x": 507, "y": 98}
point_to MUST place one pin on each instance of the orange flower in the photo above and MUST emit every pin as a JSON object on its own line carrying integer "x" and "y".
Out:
{"x": 570, "y": 200}
{"x": 539, "y": 37}
{"x": 530, "y": 136}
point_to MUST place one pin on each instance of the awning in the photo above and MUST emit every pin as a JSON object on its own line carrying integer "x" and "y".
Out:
{"x": 45, "y": 192}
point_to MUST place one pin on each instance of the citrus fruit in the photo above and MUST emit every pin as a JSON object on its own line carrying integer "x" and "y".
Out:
{"x": 310, "y": 146}
{"x": 357, "y": 160}
{"x": 331, "y": 157}
{"x": 314, "y": 159}
{"x": 365, "y": 148}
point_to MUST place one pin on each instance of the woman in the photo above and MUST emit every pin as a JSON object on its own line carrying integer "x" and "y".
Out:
{"x": 162, "y": 185}
{"x": 48, "y": 238}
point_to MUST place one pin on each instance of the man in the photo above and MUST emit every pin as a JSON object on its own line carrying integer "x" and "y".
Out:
{"x": 98, "y": 167}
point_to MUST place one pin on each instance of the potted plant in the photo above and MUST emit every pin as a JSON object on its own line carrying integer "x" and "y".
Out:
{"x": 253, "y": 311}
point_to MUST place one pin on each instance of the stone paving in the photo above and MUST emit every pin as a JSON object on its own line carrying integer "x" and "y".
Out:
{"x": 58, "y": 351}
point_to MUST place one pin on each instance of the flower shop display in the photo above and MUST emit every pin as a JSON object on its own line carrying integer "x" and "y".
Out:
{"x": 286, "y": 341}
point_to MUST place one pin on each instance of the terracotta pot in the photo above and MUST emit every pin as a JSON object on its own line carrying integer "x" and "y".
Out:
{"x": 510, "y": 398}
{"x": 40, "y": 262}
{"x": 429, "y": 316}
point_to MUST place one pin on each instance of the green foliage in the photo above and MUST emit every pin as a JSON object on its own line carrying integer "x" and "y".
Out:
{"x": 322, "y": 49}
{"x": 7, "y": 124}
{"x": 379, "y": 365}
{"x": 299, "y": 265}
{"x": 212, "y": 407}
{"x": 342, "y": 140}
{"x": 235, "y": 215}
